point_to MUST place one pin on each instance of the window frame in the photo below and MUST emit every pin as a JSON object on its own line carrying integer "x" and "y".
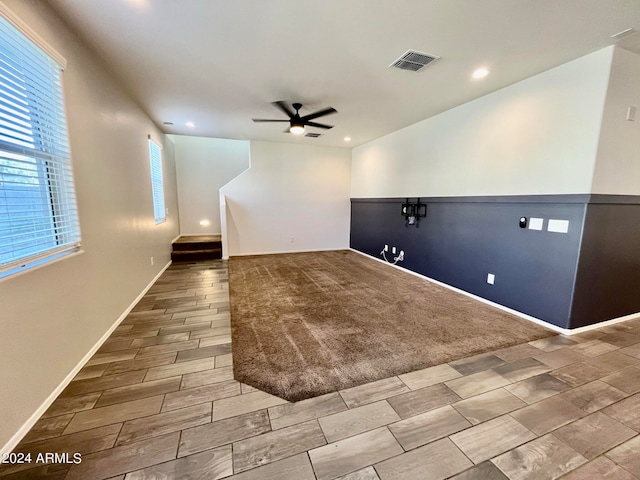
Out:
{"x": 47, "y": 152}
{"x": 157, "y": 182}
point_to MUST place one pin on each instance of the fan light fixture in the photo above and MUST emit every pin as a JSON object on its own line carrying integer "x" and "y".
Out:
{"x": 296, "y": 129}
{"x": 296, "y": 122}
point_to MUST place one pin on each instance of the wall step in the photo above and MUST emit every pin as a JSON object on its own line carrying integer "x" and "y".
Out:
{"x": 197, "y": 247}
{"x": 191, "y": 246}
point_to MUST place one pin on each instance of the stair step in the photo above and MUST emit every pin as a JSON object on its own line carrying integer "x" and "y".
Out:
{"x": 191, "y": 246}
{"x": 198, "y": 238}
{"x": 193, "y": 255}
{"x": 197, "y": 243}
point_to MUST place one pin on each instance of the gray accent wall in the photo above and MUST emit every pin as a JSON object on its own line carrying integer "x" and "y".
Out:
{"x": 608, "y": 277}
{"x": 587, "y": 275}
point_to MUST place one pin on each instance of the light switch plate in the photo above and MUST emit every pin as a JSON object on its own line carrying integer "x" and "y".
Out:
{"x": 535, "y": 223}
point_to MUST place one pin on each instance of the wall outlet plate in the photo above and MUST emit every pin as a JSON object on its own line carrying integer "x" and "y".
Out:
{"x": 558, "y": 226}
{"x": 491, "y": 278}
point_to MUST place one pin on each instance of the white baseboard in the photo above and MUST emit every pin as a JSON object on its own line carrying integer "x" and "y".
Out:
{"x": 24, "y": 429}
{"x": 555, "y": 328}
{"x": 606, "y": 323}
{"x": 226, "y": 257}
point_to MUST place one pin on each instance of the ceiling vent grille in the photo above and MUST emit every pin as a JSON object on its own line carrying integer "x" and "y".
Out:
{"x": 413, "y": 61}
{"x": 623, "y": 33}
{"x": 313, "y": 135}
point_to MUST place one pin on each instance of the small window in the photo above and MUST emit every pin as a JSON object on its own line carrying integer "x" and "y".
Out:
{"x": 38, "y": 212}
{"x": 157, "y": 187}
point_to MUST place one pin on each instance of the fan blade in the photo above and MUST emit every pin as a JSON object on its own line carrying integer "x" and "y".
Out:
{"x": 285, "y": 108}
{"x": 320, "y": 113}
{"x": 268, "y": 120}
{"x": 318, "y": 125}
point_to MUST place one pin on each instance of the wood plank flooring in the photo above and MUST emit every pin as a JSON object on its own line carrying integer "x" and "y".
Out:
{"x": 158, "y": 400}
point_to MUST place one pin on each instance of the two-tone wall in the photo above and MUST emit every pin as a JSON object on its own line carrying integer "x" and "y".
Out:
{"x": 463, "y": 239}
{"x": 538, "y": 149}
{"x": 607, "y": 281}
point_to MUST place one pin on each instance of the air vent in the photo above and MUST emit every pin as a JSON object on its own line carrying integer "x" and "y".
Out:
{"x": 413, "y": 61}
{"x": 313, "y": 135}
{"x": 623, "y": 33}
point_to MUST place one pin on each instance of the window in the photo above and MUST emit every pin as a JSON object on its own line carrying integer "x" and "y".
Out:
{"x": 38, "y": 213}
{"x": 157, "y": 187}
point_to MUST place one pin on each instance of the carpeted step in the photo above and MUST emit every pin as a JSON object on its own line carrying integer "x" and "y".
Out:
{"x": 195, "y": 255}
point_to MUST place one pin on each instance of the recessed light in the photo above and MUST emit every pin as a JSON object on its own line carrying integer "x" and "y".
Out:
{"x": 141, "y": 4}
{"x": 191, "y": 124}
{"x": 204, "y": 223}
{"x": 347, "y": 139}
{"x": 480, "y": 73}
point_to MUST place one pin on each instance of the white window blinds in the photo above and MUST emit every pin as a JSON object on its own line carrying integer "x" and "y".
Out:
{"x": 157, "y": 186}
{"x": 38, "y": 213}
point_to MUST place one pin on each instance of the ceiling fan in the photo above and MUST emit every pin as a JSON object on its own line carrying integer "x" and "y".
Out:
{"x": 296, "y": 122}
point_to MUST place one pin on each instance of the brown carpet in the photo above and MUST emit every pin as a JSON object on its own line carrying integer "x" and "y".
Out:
{"x": 306, "y": 324}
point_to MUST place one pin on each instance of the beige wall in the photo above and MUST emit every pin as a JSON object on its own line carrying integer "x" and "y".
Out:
{"x": 618, "y": 164}
{"x": 293, "y": 198}
{"x": 203, "y": 165}
{"x": 50, "y": 318}
{"x": 538, "y": 136}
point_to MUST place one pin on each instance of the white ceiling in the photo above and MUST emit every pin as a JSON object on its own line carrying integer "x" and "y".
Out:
{"x": 219, "y": 63}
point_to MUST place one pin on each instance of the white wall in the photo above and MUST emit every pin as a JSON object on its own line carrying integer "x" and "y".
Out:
{"x": 538, "y": 136}
{"x": 50, "y": 318}
{"x": 290, "y": 192}
{"x": 617, "y": 168}
{"x": 203, "y": 165}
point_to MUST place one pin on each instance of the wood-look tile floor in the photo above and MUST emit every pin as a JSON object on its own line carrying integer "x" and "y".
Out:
{"x": 158, "y": 401}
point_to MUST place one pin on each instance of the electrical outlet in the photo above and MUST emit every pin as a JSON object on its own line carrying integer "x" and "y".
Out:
{"x": 292, "y": 239}
{"x": 152, "y": 261}
{"x": 491, "y": 278}
{"x": 386, "y": 248}
{"x": 393, "y": 250}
